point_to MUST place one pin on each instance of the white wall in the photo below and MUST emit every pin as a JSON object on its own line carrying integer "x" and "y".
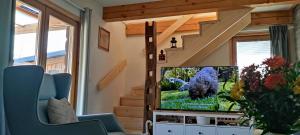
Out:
{"x": 101, "y": 62}
{"x": 220, "y": 57}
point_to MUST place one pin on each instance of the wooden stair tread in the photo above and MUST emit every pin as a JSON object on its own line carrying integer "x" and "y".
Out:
{"x": 129, "y": 111}
{"x": 131, "y": 123}
{"x": 138, "y": 88}
{"x": 133, "y": 97}
{"x": 133, "y": 101}
{"x": 137, "y": 92}
{"x": 174, "y": 49}
{"x": 185, "y": 37}
{"x": 209, "y": 22}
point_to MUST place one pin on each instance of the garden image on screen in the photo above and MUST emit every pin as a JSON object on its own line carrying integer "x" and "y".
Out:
{"x": 197, "y": 88}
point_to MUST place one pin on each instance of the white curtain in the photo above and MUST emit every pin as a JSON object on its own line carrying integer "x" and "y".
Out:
{"x": 7, "y": 17}
{"x": 83, "y": 60}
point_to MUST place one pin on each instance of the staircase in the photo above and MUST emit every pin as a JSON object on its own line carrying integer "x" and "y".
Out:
{"x": 195, "y": 48}
{"x": 212, "y": 36}
{"x": 131, "y": 110}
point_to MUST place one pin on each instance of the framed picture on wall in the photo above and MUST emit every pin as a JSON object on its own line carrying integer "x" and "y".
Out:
{"x": 103, "y": 39}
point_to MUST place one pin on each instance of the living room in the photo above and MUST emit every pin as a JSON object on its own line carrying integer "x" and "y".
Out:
{"x": 104, "y": 45}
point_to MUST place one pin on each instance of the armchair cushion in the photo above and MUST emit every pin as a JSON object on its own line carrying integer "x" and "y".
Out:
{"x": 60, "y": 112}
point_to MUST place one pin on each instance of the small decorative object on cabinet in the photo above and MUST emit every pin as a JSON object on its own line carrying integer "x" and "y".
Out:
{"x": 103, "y": 39}
{"x": 173, "y": 42}
{"x": 270, "y": 92}
{"x": 147, "y": 124}
{"x": 198, "y": 123}
{"x": 162, "y": 56}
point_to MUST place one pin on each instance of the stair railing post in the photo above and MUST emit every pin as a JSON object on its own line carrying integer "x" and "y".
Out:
{"x": 151, "y": 62}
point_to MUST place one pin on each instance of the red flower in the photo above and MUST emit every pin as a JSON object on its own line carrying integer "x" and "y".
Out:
{"x": 275, "y": 62}
{"x": 274, "y": 80}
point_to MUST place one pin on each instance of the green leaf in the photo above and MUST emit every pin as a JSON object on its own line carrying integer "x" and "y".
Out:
{"x": 231, "y": 106}
{"x": 244, "y": 121}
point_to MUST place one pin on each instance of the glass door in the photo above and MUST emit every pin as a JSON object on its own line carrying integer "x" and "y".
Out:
{"x": 46, "y": 37}
{"x": 61, "y": 48}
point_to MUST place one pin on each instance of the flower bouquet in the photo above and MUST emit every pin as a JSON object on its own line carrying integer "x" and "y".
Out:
{"x": 270, "y": 93}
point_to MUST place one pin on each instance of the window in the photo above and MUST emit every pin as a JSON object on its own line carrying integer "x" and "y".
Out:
{"x": 249, "y": 50}
{"x": 46, "y": 37}
{"x": 26, "y": 34}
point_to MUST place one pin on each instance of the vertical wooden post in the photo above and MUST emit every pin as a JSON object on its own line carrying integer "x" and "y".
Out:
{"x": 150, "y": 83}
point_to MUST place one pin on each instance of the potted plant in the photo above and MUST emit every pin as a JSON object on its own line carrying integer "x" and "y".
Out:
{"x": 270, "y": 93}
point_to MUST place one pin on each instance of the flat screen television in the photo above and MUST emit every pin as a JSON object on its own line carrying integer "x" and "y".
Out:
{"x": 197, "y": 88}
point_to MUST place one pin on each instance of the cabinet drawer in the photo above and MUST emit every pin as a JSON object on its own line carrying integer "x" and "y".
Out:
{"x": 233, "y": 131}
{"x": 166, "y": 129}
{"x": 200, "y": 130}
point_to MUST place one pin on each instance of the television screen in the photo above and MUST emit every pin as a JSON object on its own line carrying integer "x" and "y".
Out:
{"x": 197, "y": 88}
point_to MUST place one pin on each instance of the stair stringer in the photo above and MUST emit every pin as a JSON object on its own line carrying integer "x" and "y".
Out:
{"x": 229, "y": 24}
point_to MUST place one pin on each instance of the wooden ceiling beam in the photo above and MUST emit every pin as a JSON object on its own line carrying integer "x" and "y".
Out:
{"x": 263, "y": 18}
{"x": 191, "y": 25}
{"x": 165, "y": 8}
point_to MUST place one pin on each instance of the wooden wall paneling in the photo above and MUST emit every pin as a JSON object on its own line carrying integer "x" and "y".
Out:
{"x": 272, "y": 17}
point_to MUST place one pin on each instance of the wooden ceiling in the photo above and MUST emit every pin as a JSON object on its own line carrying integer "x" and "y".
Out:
{"x": 165, "y": 8}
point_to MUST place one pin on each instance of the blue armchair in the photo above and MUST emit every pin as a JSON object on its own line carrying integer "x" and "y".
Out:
{"x": 26, "y": 93}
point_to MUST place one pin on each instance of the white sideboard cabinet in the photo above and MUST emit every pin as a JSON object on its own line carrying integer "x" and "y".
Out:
{"x": 198, "y": 123}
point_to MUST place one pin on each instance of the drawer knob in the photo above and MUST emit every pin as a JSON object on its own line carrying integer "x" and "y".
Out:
{"x": 200, "y": 133}
{"x": 169, "y": 131}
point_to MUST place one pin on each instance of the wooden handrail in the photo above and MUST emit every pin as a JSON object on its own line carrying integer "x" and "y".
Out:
{"x": 108, "y": 78}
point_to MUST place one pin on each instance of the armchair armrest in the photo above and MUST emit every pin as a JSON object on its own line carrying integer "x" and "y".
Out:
{"x": 109, "y": 120}
{"x": 79, "y": 128}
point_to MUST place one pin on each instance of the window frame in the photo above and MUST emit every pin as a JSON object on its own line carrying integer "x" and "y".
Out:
{"x": 245, "y": 38}
{"x": 48, "y": 9}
